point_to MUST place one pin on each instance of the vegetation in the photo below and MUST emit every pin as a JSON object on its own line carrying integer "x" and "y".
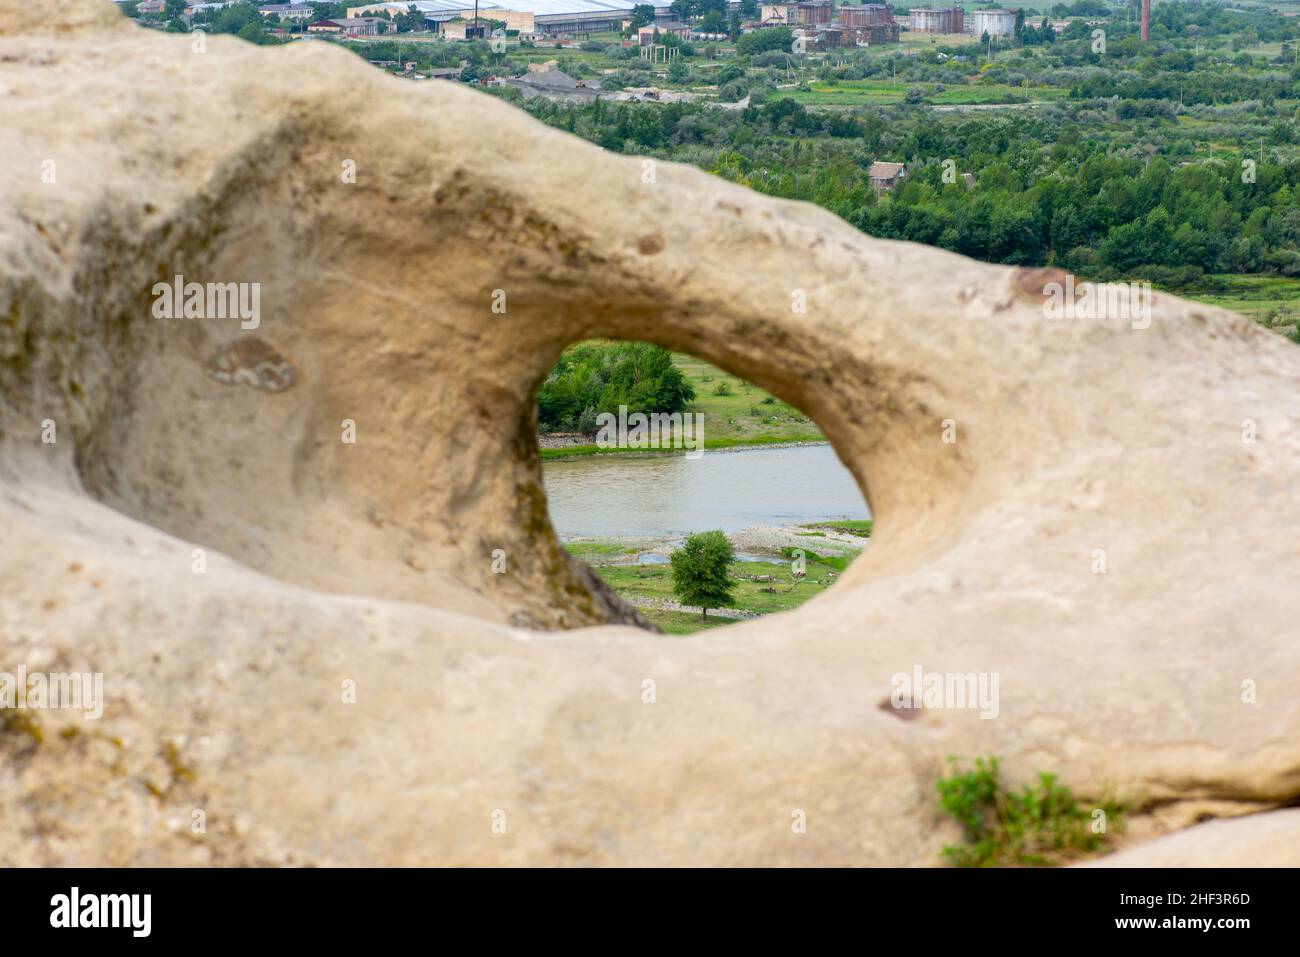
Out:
{"x": 1041, "y": 825}
{"x": 1174, "y": 162}
{"x": 1043, "y": 194}
{"x": 595, "y": 377}
{"x": 759, "y": 587}
{"x": 743, "y": 415}
{"x": 700, "y": 569}
{"x": 860, "y": 527}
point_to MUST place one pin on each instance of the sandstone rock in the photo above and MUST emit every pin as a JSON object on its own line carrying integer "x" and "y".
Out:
{"x": 1258, "y": 840}
{"x": 331, "y": 566}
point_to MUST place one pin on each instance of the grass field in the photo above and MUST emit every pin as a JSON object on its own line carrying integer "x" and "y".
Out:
{"x": 745, "y": 415}
{"x": 885, "y": 92}
{"x": 853, "y": 526}
{"x": 1273, "y": 301}
{"x": 758, "y": 598}
{"x": 611, "y": 560}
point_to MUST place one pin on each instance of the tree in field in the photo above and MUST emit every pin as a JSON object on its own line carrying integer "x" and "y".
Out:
{"x": 700, "y": 571}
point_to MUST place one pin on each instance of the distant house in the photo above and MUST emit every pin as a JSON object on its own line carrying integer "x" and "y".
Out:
{"x": 647, "y": 35}
{"x": 364, "y": 26}
{"x": 150, "y": 6}
{"x": 461, "y": 29}
{"x": 777, "y": 15}
{"x": 885, "y": 176}
{"x": 194, "y": 8}
{"x": 287, "y": 11}
{"x": 351, "y": 26}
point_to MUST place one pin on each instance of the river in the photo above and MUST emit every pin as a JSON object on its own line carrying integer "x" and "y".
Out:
{"x": 611, "y": 496}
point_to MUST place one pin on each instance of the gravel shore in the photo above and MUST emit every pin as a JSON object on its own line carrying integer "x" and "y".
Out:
{"x": 764, "y": 540}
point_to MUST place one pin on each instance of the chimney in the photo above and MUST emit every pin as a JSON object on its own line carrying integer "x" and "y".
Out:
{"x": 1146, "y": 21}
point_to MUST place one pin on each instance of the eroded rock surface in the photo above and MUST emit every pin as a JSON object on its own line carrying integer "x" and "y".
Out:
{"x": 328, "y": 565}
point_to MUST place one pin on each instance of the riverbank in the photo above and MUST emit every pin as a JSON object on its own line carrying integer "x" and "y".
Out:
{"x": 737, "y": 414}
{"x": 637, "y": 567}
{"x": 710, "y": 445}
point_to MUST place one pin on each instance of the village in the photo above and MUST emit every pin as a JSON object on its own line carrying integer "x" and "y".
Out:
{"x": 815, "y": 24}
{"x": 428, "y": 32}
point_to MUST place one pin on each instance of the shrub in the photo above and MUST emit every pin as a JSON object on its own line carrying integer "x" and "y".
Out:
{"x": 733, "y": 92}
{"x": 1041, "y": 825}
{"x": 599, "y": 377}
{"x": 760, "y": 41}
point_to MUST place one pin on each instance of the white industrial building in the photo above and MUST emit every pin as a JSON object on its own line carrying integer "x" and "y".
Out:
{"x": 528, "y": 16}
{"x": 996, "y": 23}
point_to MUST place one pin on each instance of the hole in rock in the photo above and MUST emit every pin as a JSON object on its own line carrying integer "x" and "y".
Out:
{"x": 695, "y": 495}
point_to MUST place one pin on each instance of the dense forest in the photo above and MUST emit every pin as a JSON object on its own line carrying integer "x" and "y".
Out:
{"x": 1052, "y": 187}
{"x": 599, "y": 377}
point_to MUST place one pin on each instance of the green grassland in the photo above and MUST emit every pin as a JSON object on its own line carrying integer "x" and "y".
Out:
{"x": 744, "y": 415}
{"x": 1272, "y": 301}
{"x": 852, "y": 526}
{"x": 610, "y": 559}
{"x": 757, "y": 598}
{"x": 885, "y": 92}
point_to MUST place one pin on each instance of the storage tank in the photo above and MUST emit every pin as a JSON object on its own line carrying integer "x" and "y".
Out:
{"x": 936, "y": 19}
{"x": 867, "y": 15}
{"x": 996, "y": 23}
{"x": 813, "y": 12}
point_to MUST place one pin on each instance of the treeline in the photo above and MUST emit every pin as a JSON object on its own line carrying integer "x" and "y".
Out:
{"x": 1081, "y": 188}
{"x": 599, "y": 377}
{"x": 1108, "y": 216}
{"x": 1190, "y": 87}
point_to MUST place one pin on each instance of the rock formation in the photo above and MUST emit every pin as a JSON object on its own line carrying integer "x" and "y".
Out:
{"x": 1111, "y": 532}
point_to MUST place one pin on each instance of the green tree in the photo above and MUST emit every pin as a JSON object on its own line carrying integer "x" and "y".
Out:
{"x": 599, "y": 377}
{"x": 643, "y": 14}
{"x": 700, "y": 571}
{"x": 760, "y": 41}
{"x": 252, "y": 31}
{"x": 412, "y": 21}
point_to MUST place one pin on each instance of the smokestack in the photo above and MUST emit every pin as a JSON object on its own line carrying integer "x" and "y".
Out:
{"x": 1146, "y": 21}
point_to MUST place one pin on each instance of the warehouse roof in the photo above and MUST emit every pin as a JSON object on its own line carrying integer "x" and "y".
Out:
{"x": 541, "y": 8}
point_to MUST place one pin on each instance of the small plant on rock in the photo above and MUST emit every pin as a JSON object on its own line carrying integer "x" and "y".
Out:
{"x": 1040, "y": 826}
